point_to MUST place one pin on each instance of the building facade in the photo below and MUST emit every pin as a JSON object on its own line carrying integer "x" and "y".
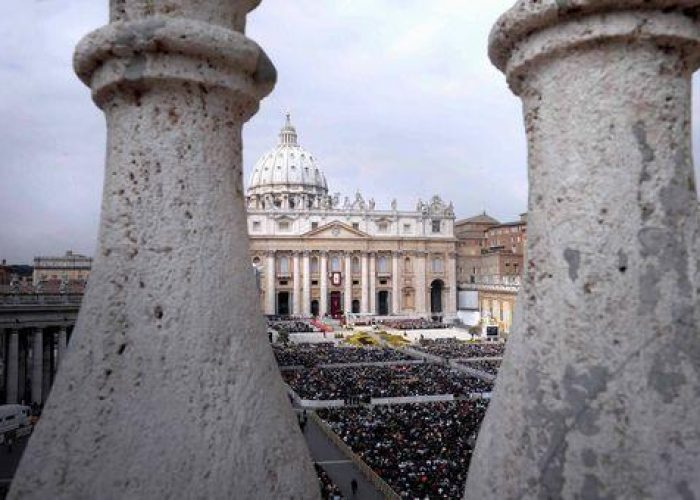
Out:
{"x": 70, "y": 267}
{"x": 319, "y": 255}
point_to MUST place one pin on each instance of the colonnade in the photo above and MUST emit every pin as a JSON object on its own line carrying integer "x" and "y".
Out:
{"x": 29, "y": 359}
{"x": 365, "y": 282}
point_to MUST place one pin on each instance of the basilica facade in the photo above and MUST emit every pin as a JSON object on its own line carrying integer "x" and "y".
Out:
{"x": 319, "y": 255}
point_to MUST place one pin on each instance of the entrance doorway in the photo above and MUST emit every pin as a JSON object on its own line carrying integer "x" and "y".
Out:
{"x": 336, "y": 309}
{"x": 283, "y": 303}
{"x": 436, "y": 288}
{"x": 314, "y": 307}
{"x": 355, "y": 306}
{"x": 383, "y": 300}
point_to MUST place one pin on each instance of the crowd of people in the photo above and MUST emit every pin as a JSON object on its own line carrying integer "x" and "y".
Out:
{"x": 285, "y": 324}
{"x": 451, "y": 348}
{"x": 412, "y": 324}
{"x": 325, "y": 353}
{"x": 485, "y": 365}
{"x": 364, "y": 382}
{"x": 329, "y": 490}
{"x": 420, "y": 450}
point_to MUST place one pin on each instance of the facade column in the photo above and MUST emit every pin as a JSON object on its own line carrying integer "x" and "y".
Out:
{"x": 47, "y": 356}
{"x": 364, "y": 283}
{"x": 421, "y": 286}
{"x": 13, "y": 367}
{"x": 451, "y": 262}
{"x": 270, "y": 280}
{"x": 306, "y": 288}
{"x": 323, "y": 281}
{"x": 373, "y": 282}
{"x": 395, "y": 283}
{"x": 296, "y": 275}
{"x": 62, "y": 343}
{"x": 37, "y": 364}
{"x": 347, "y": 281}
{"x": 604, "y": 347}
{"x": 171, "y": 317}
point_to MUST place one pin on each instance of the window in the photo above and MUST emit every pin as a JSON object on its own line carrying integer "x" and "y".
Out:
{"x": 356, "y": 225}
{"x": 335, "y": 263}
{"x": 256, "y": 225}
{"x": 283, "y": 225}
{"x": 314, "y": 265}
{"x": 437, "y": 265}
{"x": 383, "y": 227}
{"x": 256, "y": 261}
{"x": 355, "y": 282}
{"x": 436, "y": 226}
{"x": 356, "y": 265}
{"x": 284, "y": 265}
{"x": 314, "y": 225}
{"x": 406, "y": 228}
{"x": 407, "y": 265}
{"x": 383, "y": 264}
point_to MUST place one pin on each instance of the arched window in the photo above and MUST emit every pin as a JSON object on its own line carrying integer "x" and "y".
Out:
{"x": 407, "y": 265}
{"x": 356, "y": 265}
{"x": 256, "y": 261}
{"x": 314, "y": 265}
{"x": 383, "y": 264}
{"x": 335, "y": 263}
{"x": 284, "y": 265}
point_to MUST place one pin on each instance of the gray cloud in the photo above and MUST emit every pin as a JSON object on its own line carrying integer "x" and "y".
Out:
{"x": 394, "y": 97}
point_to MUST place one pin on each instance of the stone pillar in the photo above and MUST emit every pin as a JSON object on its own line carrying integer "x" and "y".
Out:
{"x": 364, "y": 284}
{"x": 395, "y": 283}
{"x": 421, "y": 286}
{"x": 347, "y": 280}
{"x": 62, "y": 344}
{"x": 37, "y": 364}
{"x": 47, "y": 358}
{"x": 599, "y": 391}
{"x": 296, "y": 276}
{"x": 13, "y": 366}
{"x": 170, "y": 389}
{"x": 451, "y": 308}
{"x": 270, "y": 280}
{"x": 306, "y": 289}
{"x": 373, "y": 282}
{"x": 323, "y": 281}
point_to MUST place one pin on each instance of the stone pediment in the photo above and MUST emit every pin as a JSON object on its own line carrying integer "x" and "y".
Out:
{"x": 334, "y": 230}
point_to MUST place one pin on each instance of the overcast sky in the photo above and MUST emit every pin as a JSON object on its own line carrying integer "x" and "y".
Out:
{"x": 395, "y": 98}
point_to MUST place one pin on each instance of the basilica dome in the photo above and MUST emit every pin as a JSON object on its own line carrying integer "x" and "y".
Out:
{"x": 288, "y": 168}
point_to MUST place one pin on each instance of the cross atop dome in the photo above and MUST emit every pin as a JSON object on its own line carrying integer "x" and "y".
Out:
{"x": 288, "y": 134}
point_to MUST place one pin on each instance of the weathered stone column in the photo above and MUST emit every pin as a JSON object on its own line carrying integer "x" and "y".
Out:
{"x": 170, "y": 389}
{"x": 599, "y": 392}
{"x": 347, "y": 281}
{"x": 47, "y": 358}
{"x": 364, "y": 285}
{"x": 395, "y": 283}
{"x": 421, "y": 285}
{"x": 306, "y": 288}
{"x": 270, "y": 280}
{"x": 296, "y": 276}
{"x": 451, "y": 308}
{"x": 37, "y": 364}
{"x": 13, "y": 366}
{"x": 62, "y": 344}
{"x": 373, "y": 282}
{"x": 323, "y": 281}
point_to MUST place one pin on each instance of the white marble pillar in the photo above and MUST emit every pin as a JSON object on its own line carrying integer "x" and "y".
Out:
{"x": 270, "y": 280}
{"x": 62, "y": 344}
{"x": 13, "y": 366}
{"x": 347, "y": 281}
{"x": 599, "y": 391}
{"x": 364, "y": 285}
{"x": 37, "y": 364}
{"x": 170, "y": 388}
{"x": 421, "y": 285}
{"x": 323, "y": 281}
{"x": 451, "y": 261}
{"x": 373, "y": 282}
{"x": 306, "y": 288}
{"x": 395, "y": 283}
{"x": 296, "y": 276}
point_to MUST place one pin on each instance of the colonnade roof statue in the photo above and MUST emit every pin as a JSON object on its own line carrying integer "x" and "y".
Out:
{"x": 599, "y": 391}
{"x": 169, "y": 388}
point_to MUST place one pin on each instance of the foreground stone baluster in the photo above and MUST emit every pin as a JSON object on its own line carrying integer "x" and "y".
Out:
{"x": 599, "y": 393}
{"x": 169, "y": 389}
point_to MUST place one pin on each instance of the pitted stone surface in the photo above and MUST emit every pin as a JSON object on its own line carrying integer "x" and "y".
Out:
{"x": 598, "y": 393}
{"x": 169, "y": 389}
